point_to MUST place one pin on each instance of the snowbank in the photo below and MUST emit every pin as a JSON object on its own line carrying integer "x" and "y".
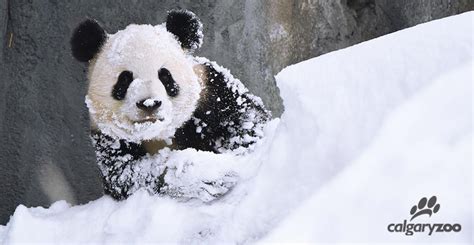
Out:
{"x": 423, "y": 149}
{"x": 367, "y": 131}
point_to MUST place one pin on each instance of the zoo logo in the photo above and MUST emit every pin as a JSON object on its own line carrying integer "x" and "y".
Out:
{"x": 424, "y": 207}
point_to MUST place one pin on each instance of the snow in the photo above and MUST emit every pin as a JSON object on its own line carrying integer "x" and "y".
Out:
{"x": 367, "y": 131}
{"x": 424, "y": 148}
{"x": 149, "y": 102}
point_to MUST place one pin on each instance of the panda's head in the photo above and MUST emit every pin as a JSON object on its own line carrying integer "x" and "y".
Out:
{"x": 142, "y": 83}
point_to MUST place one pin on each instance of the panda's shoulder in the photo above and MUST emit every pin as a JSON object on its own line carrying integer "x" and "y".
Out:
{"x": 223, "y": 92}
{"x": 224, "y": 107}
{"x": 210, "y": 73}
{"x": 217, "y": 79}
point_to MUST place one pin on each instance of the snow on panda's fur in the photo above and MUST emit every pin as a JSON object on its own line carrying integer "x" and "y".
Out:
{"x": 147, "y": 92}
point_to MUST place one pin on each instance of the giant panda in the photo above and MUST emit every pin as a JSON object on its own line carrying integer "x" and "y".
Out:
{"x": 148, "y": 92}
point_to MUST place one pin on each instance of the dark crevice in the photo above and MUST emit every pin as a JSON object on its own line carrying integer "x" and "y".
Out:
{"x": 359, "y": 5}
{"x": 8, "y": 16}
{"x": 7, "y": 28}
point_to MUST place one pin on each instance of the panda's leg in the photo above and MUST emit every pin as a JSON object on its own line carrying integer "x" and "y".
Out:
{"x": 116, "y": 159}
{"x": 120, "y": 165}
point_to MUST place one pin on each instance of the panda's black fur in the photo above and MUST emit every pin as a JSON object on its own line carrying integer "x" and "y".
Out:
{"x": 219, "y": 116}
{"x": 227, "y": 116}
{"x": 113, "y": 157}
{"x": 87, "y": 40}
{"x": 186, "y": 27}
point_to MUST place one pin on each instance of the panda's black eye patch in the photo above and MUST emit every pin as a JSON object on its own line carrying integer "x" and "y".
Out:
{"x": 170, "y": 84}
{"x": 123, "y": 82}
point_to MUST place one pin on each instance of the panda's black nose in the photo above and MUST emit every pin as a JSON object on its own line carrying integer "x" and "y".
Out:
{"x": 149, "y": 105}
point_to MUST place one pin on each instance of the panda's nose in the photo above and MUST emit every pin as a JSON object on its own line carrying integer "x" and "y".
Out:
{"x": 149, "y": 105}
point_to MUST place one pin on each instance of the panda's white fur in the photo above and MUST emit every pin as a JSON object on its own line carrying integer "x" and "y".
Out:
{"x": 143, "y": 50}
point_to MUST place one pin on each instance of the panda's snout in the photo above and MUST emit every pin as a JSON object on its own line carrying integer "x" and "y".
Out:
{"x": 148, "y": 105}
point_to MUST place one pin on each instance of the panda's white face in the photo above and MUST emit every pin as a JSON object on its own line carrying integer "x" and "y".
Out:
{"x": 142, "y": 85}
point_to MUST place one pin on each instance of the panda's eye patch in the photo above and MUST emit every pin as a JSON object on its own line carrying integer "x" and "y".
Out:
{"x": 170, "y": 84}
{"x": 123, "y": 82}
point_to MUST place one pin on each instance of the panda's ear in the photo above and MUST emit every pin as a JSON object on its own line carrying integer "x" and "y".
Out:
{"x": 87, "y": 39}
{"x": 187, "y": 28}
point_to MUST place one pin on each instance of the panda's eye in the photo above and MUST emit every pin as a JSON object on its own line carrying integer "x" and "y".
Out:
{"x": 170, "y": 84}
{"x": 123, "y": 82}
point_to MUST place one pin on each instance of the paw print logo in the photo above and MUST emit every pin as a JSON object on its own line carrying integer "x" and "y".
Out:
{"x": 425, "y": 206}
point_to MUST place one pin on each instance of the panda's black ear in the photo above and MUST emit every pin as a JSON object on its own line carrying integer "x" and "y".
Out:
{"x": 187, "y": 28}
{"x": 87, "y": 39}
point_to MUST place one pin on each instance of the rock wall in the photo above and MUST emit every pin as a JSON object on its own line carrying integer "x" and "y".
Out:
{"x": 46, "y": 154}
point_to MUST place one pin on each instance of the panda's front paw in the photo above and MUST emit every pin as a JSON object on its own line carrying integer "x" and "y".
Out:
{"x": 211, "y": 190}
{"x": 192, "y": 174}
{"x": 206, "y": 190}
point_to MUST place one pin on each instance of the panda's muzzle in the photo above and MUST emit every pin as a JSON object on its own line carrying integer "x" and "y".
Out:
{"x": 148, "y": 105}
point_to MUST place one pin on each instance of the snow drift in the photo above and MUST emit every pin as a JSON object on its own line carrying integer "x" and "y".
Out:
{"x": 367, "y": 131}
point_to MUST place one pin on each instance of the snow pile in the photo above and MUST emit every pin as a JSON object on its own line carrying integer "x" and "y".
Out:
{"x": 423, "y": 149}
{"x": 367, "y": 131}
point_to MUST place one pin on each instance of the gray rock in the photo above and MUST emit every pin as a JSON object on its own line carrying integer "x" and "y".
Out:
{"x": 46, "y": 153}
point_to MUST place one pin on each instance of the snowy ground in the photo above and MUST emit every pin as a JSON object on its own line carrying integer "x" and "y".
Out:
{"x": 367, "y": 131}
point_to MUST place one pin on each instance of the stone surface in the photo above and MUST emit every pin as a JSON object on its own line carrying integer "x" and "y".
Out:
{"x": 46, "y": 152}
